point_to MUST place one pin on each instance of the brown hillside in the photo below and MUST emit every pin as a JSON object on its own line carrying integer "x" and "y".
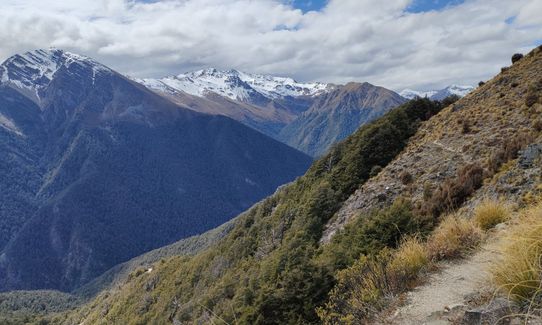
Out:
{"x": 470, "y": 131}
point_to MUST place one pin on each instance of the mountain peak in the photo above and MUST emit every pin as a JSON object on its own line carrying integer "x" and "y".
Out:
{"x": 32, "y": 71}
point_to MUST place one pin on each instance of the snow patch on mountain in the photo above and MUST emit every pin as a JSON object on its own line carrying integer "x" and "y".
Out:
{"x": 9, "y": 125}
{"x": 235, "y": 85}
{"x": 458, "y": 90}
{"x": 33, "y": 71}
{"x": 411, "y": 94}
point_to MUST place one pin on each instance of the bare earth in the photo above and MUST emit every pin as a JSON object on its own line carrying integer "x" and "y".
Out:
{"x": 435, "y": 302}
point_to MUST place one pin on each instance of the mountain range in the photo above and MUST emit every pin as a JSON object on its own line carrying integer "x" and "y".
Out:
{"x": 440, "y": 94}
{"x": 310, "y": 117}
{"x": 97, "y": 169}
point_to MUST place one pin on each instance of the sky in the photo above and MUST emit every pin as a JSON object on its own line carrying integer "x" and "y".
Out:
{"x": 417, "y": 44}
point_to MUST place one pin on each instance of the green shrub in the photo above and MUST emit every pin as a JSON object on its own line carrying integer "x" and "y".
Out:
{"x": 369, "y": 234}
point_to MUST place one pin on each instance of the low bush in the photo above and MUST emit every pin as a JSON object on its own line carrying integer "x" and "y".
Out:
{"x": 531, "y": 99}
{"x": 518, "y": 274}
{"x": 453, "y": 238}
{"x": 509, "y": 151}
{"x": 369, "y": 234}
{"x": 465, "y": 126}
{"x": 454, "y": 191}
{"x": 450, "y": 100}
{"x": 406, "y": 177}
{"x": 490, "y": 213}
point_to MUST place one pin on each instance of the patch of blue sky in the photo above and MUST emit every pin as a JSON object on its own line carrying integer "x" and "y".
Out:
{"x": 309, "y": 5}
{"x": 418, "y": 6}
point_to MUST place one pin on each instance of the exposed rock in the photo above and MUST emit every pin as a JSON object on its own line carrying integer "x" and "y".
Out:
{"x": 529, "y": 155}
{"x": 493, "y": 313}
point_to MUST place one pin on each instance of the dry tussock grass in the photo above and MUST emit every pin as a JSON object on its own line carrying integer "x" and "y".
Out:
{"x": 518, "y": 274}
{"x": 454, "y": 237}
{"x": 490, "y": 213}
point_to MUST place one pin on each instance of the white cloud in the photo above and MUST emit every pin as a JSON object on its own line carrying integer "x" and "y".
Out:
{"x": 360, "y": 40}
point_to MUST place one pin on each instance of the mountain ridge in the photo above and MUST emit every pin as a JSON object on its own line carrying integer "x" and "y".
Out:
{"x": 337, "y": 114}
{"x": 289, "y": 111}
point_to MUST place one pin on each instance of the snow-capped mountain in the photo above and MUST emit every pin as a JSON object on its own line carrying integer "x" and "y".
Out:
{"x": 32, "y": 71}
{"x": 411, "y": 94}
{"x": 460, "y": 91}
{"x": 235, "y": 85}
{"x": 90, "y": 160}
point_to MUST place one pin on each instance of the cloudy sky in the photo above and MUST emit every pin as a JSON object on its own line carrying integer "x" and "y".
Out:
{"x": 421, "y": 44}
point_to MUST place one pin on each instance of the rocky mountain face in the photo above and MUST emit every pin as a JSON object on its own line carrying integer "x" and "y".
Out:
{"x": 97, "y": 169}
{"x": 307, "y": 116}
{"x": 440, "y": 94}
{"x": 392, "y": 178}
{"x": 336, "y": 114}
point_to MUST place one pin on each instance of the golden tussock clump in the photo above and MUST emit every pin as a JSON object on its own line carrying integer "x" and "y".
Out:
{"x": 518, "y": 274}
{"x": 490, "y": 213}
{"x": 410, "y": 258}
{"x": 454, "y": 237}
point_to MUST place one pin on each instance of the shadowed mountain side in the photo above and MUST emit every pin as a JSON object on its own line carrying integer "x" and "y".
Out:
{"x": 118, "y": 170}
{"x": 337, "y": 114}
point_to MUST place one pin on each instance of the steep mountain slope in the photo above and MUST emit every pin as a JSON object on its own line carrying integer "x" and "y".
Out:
{"x": 100, "y": 169}
{"x": 337, "y": 114}
{"x": 473, "y": 130}
{"x": 460, "y": 91}
{"x": 268, "y": 268}
{"x": 273, "y": 267}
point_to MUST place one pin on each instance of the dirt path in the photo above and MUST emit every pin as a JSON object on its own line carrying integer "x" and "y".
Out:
{"x": 434, "y": 302}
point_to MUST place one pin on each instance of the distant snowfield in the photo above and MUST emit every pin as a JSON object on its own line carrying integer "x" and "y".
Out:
{"x": 458, "y": 90}
{"x": 235, "y": 84}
